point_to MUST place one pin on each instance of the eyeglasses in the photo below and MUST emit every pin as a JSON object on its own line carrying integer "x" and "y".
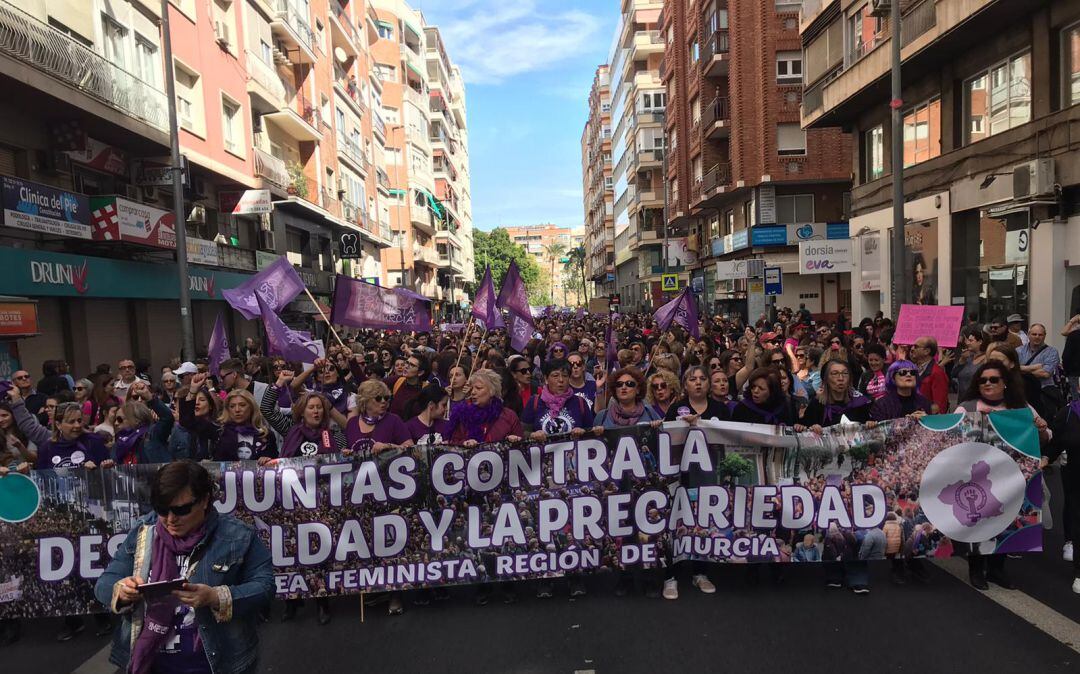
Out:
{"x": 659, "y": 386}
{"x": 412, "y": 364}
{"x": 179, "y": 511}
{"x": 983, "y": 381}
{"x": 737, "y": 358}
{"x": 906, "y": 373}
{"x": 381, "y": 399}
{"x": 626, "y": 383}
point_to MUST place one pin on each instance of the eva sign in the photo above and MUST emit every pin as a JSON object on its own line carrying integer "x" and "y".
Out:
{"x": 825, "y": 257}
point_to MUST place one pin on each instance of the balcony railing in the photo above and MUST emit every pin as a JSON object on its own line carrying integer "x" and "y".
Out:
{"x": 351, "y": 149}
{"x": 717, "y": 110}
{"x": 329, "y": 202}
{"x": 382, "y": 179}
{"x": 24, "y": 38}
{"x": 343, "y": 19}
{"x": 272, "y": 169}
{"x": 378, "y": 123}
{"x": 717, "y": 43}
{"x": 917, "y": 20}
{"x": 718, "y": 176}
{"x": 299, "y": 24}
{"x": 347, "y": 82}
{"x": 268, "y": 78}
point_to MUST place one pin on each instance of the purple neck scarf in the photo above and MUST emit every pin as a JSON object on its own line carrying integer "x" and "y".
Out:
{"x": 555, "y": 402}
{"x": 626, "y": 418}
{"x": 301, "y": 434}
{"x": 476, "y": 419}
{"x": 158, "y": 620}
{"x": 838, "y": 410}
{"x": 770, "y": 417}
{"x": 126, "y": 442}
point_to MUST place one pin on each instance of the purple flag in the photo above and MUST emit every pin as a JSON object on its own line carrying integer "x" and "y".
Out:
{"x": 277, "y": 285}
{"x": 513, "y": 296}
{"x": 580, "y": 313}
{"x": 218, "y": 351}
{"x": 521, "y": 331}
{"x": 362, "y": 305}
{"x": 483, "y": 308}
{"x": 283, "y": 341}
{"x": 612, "y": 342}
{"x": 681, "y": 310}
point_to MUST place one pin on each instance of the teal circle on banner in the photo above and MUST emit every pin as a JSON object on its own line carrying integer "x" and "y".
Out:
{"x": 19, "y": 498}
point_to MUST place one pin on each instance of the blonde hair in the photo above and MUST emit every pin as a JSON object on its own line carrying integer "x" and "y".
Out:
{"x": 366, "y": 392}
{"x": 136, "y": 414}
{"x": 667, "y": 361}
{"x": 669, "y": 378}
{"x": 62, "y": 411}
{"x": 300, "y": 405}
{"x": 257, "y": 420}
{"x": 491, "y": 379}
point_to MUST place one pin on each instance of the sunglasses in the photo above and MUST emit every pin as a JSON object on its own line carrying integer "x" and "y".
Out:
{"x": 906, "y": 373}
{"x": 627, "y": 383}
{"x": 777, "y": 361}
{"x": 381, "y": 399}
{"x": 576, "y": 363}
{"x": 23, "y": 376}
{"x": 659, "y": 386}
{"x": 80, "y": 388}
{"x": 989, "y": 380}
{"x": 857, "y": 345}
{"x": 179, "y": 511}
{"x": 521, "y": 370}
{"x": 800, "y": 355}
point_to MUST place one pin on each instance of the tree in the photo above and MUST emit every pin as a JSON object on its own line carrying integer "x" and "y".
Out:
{"x": 496, "y": 249}
{"x": 555, "y": 251}
{"x": 574, "y": 276}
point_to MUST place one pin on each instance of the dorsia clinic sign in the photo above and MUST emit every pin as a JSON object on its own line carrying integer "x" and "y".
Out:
{"x": 825, "y": 257}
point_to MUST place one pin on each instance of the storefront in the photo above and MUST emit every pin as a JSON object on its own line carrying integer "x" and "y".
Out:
{"x": 93, "y": 310}
{"x": 18, "y": 321}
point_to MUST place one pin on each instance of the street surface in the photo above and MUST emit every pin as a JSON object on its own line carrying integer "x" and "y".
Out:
{"x": 945, "y": 626}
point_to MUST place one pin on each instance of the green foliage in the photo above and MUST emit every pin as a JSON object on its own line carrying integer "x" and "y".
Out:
{"x": 859, "y": 454}
{"x": 574, "y": 274}
{"x": 496, "y": 249}
{"x": 734, "y": 466}
{"x": 298, "y": 180}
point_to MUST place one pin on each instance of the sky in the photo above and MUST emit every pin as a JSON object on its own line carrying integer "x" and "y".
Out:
{"x": 528, "y": 68}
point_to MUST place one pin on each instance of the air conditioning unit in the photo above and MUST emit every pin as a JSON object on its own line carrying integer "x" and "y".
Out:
{"x": 1033, "y": 179}
{"x": 221, "y": 33}
{"x": 880, "y": 7}
{"x": 149, "y": 193}
{"x": 266, "y": 240}
{"x": 197, "y": 215}
{"x": 132, "y": 192}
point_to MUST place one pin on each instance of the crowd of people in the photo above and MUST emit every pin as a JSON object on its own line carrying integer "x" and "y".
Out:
{"x": 380, "y": 392}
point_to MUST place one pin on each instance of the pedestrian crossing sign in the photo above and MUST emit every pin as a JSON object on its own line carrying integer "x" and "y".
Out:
{"x": 669, "y": 282}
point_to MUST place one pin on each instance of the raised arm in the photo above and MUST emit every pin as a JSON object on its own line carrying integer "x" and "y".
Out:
{"x": 278, "y": 421}
{"x": 27, "y": 423}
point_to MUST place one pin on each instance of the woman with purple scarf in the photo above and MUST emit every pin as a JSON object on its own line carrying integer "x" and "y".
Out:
{"x": 306, "y": 430}
{"x": 556, "y": 410}
{"x": 143, "y": 426}
{"x": 836, "y": 400}
{"x": 765, "y": 401}
{"x": 902, "y": 397}
{"x": 208, "y": 624}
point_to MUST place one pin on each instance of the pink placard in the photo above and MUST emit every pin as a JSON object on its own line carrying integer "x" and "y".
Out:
{"x": 941, "y": 323}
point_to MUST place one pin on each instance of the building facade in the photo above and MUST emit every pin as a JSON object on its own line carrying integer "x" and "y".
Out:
{"x": 550, "y": 245}
{"x": 598, "y": 188}
{"x": 745, "y": 181}
{"x": 991, "y": 176}
{"x": 283, "y": 136}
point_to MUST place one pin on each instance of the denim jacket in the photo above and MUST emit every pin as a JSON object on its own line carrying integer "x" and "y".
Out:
{"x": 230, "y": 556}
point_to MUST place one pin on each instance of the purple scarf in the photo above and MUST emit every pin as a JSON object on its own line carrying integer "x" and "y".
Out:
{"x": 622, "y": 418}
{"x": 158, "y": 619}
{"x": 301, "y": 434}
{"x": 555, "y": 402}
{"x": 770, "y": 417}
{"x": 126, "y": 443}
{"x": 834, "y": 410}
{"x": 476, "y": 419}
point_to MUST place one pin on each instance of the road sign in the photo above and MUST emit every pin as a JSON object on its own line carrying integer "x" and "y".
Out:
{"x": 774, "y": 281}
{"x": 669, "y": 282}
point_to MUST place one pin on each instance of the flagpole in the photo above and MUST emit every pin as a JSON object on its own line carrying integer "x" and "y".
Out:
{"x": 464, "y": 341}
{"x": 477, "y": 358}
{"x": 328, "y": 323}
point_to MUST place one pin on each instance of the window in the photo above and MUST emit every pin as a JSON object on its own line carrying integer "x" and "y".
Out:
{"x": 386, "y": 72}
{"x": 695, "y": 111}
{"x": 232, "y": 128}
{"x": 605, "y": 107}
{"x": 922, "y": 132}
{"x": 999, "y": 98}
{"x": 189, "y": 100}
{"x": 695, "y": 52}
{"x": 146, "y": 61}
{"x": 266, "y": 53}
{"x": 864, "y": 33}
{"x": 608, "y": 182}
{"x": 114, "y": 39}
{"x": 790, "y": 140}
{"x": 794, "y": 208}
{"x": 729, "y": 223}
{"x": 789, "y": 67}
{"x": 710, "y": 22}
{"x": 386, "y": 31}
{"x": 1070, "y": 51}
{"x": 656, "y": 100}
{"x": 874, "y": 153}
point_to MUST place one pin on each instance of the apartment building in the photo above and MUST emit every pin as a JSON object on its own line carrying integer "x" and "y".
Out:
{"x": 745, "y": 181}
{"x": 282, "y": 136}
{"x": 597, "y": 190}
{"x": 550, "y": 245}
{"x": 991, "y": 174}
{"x": 637, "y": 144}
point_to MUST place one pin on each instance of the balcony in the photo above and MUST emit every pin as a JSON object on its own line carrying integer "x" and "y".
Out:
{"x": 648, "y": 197}
{"x": 266, "y": 84}
{"x": 714, "y": 57}
{"x": 650, "y": 158}
{"x": 382, "y": 181}
{"x": 299, "y": 118}
{"x": 718, "y": 176}
{"x": 378, "y": 125}
{"x": 645, "y": 237}
{"x": 328, "y": 202}
{"x": 648, "y": 42}
{"x": 425, "y": 255}
{"x": 414, "y": 65}
{"x": 647, "y": 79}
{"x": 422, "y": 218}
{"x": 272, "y": 170}
{"x": 342, "y": 31}
{"x": 650, "y": 117}
{"x": 716, "y": 119}
{"x": 345, "y": 83}
{"x": 38, "y": 45}
{"x": 290, "y": 27}
{"x": 349, "y": 149}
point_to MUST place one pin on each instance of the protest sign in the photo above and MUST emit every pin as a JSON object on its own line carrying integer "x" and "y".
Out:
{"x": 638, "y": 497}
{"x": 941, "y": 323}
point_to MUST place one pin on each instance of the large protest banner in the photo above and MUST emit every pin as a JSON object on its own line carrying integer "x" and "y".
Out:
{"x": 639, "y": 497}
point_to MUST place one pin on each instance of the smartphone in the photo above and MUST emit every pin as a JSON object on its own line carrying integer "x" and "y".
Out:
{"x": 160, "y": 588}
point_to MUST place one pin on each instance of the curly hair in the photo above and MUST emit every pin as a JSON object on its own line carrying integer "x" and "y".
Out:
{"x": 368, "y": 391}
{"x": 670, "y": 379}
{"x": 491, "y": 379}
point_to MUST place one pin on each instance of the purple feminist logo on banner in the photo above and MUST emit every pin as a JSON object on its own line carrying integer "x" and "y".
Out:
{"x": 973, "y": 500}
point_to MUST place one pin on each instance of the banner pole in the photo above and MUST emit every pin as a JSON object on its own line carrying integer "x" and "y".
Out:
{"x": 362, "y": 607}
{"x": 328, "y": 323}
{"x": 464, "y": 341}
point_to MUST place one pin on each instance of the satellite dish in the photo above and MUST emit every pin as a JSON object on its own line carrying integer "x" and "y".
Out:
{"x": 340, "y": 55}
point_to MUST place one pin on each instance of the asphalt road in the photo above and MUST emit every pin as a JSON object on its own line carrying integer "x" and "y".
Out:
{"x": 798, "y": 625}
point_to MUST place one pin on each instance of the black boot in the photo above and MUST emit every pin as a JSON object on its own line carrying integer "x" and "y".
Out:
{"x": 323, "y": 606}
{"x": 291, "y": 606}
{"x": 977, "y": 572}
{"x": 996, "y": 574}
{"x": 73, "y": 625}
